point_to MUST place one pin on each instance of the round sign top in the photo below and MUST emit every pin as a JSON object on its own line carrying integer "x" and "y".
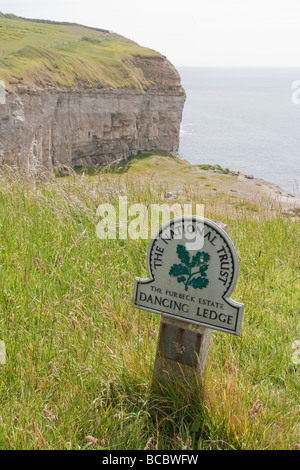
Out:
{"x": 193, "y": 269}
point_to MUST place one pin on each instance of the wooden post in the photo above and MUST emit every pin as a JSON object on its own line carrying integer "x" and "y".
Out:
{"x": 182, "y": 350}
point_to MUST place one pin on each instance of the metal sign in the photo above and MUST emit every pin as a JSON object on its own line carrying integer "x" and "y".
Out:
{"x": 193, "y": 269}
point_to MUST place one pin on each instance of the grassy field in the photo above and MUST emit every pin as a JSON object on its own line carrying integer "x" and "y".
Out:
{"x": 60, "y": 54}
{"x": 79, "y": 362}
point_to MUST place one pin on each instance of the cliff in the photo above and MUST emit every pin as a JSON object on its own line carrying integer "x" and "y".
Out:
{"x": 90, "y": 98}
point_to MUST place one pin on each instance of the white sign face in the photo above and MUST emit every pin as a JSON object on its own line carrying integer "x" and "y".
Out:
{"x": 192, "y": 278}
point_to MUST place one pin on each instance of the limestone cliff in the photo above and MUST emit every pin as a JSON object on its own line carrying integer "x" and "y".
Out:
{"x": 51, "y": 124}
{"x": 76, "y": 126}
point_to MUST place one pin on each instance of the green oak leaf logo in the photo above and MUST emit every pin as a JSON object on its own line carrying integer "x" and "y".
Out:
{"x": 192, "y": 272}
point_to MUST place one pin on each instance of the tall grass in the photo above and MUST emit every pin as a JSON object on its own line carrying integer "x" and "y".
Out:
{"x": 79, "y": 358}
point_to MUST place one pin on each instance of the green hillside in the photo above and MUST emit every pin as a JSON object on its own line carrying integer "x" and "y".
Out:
{"x": 77, "y": 373}
{"x": 47, "y": 53}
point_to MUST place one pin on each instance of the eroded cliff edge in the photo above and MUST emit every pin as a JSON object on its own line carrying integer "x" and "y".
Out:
{"x": 54, "y": 125}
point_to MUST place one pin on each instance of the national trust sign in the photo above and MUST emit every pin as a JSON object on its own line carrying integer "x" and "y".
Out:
{"x": 193, "y": 269}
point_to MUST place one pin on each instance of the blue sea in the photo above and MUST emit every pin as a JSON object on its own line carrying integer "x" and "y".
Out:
{"x": 243, "y": 119}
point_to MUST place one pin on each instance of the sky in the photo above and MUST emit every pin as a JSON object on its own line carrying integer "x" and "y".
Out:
{"x": 218, "y": 33}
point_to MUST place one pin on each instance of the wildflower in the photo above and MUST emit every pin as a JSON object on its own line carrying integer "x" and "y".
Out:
{"x": 92, "y": 439}
{"x": 48, "y": 415}
{"x": 255, "y": 410}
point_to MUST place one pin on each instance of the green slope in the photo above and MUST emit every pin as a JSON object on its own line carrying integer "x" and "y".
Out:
{"x": 44, "y": 53}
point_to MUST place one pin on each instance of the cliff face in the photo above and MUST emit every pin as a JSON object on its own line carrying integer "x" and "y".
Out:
{"x": 72, "y": 126}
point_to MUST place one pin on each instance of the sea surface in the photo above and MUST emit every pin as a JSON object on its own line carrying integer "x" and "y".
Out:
{"x": 244, "y": 119}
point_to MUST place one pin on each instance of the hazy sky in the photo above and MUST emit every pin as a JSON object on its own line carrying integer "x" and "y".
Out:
{"x": 188, "y": 32}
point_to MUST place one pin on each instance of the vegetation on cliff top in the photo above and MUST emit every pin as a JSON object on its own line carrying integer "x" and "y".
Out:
{"x": 45, "y": 53}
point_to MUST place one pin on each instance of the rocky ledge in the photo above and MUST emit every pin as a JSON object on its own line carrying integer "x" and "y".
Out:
{"x": 89, "y": 126}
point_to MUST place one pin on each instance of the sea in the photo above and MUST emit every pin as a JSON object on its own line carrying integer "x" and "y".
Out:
{"x": 244, "y": 119}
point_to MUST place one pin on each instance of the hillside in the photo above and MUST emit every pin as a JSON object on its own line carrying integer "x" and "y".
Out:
{"x": 44, "y": 53}
{"x": 77, "y": 373}
{"x": 232, "y": 190}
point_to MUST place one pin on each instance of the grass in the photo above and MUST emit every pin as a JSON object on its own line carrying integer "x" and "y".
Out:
{"x": 80, "y": 358}
{"x": 215, "y": 168}
{"x": 60, "y": 54}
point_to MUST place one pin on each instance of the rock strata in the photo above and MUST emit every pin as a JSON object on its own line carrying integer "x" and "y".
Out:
{"x": 60, "y": 126}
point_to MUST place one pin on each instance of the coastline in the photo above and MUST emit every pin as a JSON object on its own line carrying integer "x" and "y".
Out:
{"x": 287, "y": 202}
{"x": 224, "y": 122}
{"x": 230, "y": 187}
{"x": 256, "y": 189}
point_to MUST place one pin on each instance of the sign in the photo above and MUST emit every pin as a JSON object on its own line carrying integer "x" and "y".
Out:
{"x": 193, "y": 269}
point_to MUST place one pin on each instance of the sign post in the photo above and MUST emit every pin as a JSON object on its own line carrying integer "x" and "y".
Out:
{"x": 193, "y": 269}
